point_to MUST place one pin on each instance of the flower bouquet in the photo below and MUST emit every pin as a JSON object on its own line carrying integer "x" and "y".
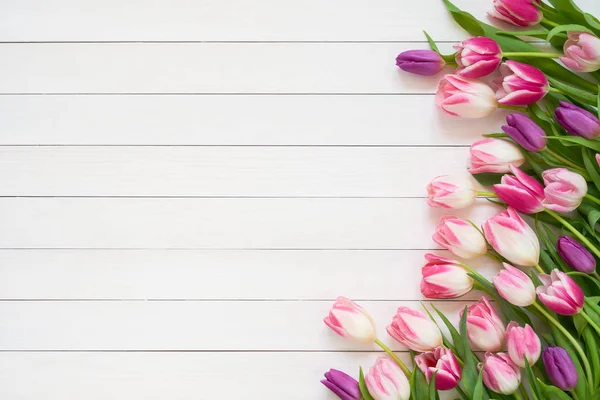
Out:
{"x": 535, "y": 333}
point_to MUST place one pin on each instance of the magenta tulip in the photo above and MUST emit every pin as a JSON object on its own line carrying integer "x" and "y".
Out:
{"x": 500, "y": 374}
{"x": 453, "y": 192}
{"x": 467, "y": 98}
{"x": 460, "y": 237}
{"x": 517, "y": 12}
{"x": 484, "y": 327}
{"x": 386, "y": 381}
{"x": 522, "y": 344}
{"x": 582, "y": 52}
{"x": 351, "y": 321}
{"x": 443, "y": 363}
{"x": 494, "y": 155}
{"x": 521, "y": 84}
{"x": 444, "y": 278}
{"x": 560, "y": 293}
{"x": 414, "y": 330}
{"x": 521, "y": 192}
{"x": 515, "y": 286}
{"x": 477, "y": 57}
{"x": 420, "y": 62}
{"x": 564, "y": 189}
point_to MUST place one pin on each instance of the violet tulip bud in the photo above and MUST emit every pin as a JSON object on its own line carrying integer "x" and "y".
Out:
{"x": 477, "y": 57}
{"x": 463, "y": 97}
{"x": 517, "y": 12}
{"x": 521, "y": 84}
{"x": 451, "y": 192}
{"x": 444, "y": 278}
{"x": 515, "y": 286}
{"x": 414, "y": 330}
{"x": 575, "y": 255}
{"x": 386, "y": 381}
{"x": 525, "y": 132}
{"x": 484, "y": 327}
{"x": 443, "y": 363}
{"x": 494, "y": 155}
{"x": 343, "y": 385}
{"x": 560, "y": 293}
{"x": 500, "y": 374}
{"x": 351, "y": 321}
{"x": 577, "y": 121}
{"x": 560, "y": 368}
{"x": 564, "y": 189}
{"x": 460, "y": 237}
{"x": 582, "y": 52}
{"x": 521, "y": 192}
{"x": 522, "y": 344}
{"x": 420, "y": 62}
{"x": 512, "y": 238}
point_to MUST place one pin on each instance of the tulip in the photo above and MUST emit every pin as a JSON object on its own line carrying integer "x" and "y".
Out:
{"x": 517, "y": 12}
{"x": 500, "y": 374}
{"x": 451, "y": 192}
{"x": 343, "y": 385}
{"x": 477, "y": 57}
{"x": 386, "y": 381}
{"x": 463, "y": 97}
{"x": 420, "y": 62}
{"x": 444, "y": 278}
{"x": 525, "y": 132}
{"x": 510, "y": 236}
{"x": 414, "y": 330}
{"x": 494, "y": 155}
{"x": 350, "y": 320}
{"x": 598, "y": 159}
{"x": 577, "y": 121}
{"x": 521, "y": 192}
{"x": 582, "y": 52}
{"x": 564, "y": 189}
{"x": 521, "y": 84}
{"x": 484, "y": 327}
{"x": 575, "y": 255}
{"x": 560, "y": 368}
{"x": 515, "y": 286}
{"x": 522, "y": 344}
{"x": 443, "y": 363}
{"x": 560, "y": 293}
{"x": 460, "y": 237}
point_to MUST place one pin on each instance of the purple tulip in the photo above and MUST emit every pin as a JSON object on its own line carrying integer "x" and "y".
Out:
{"x": 577, "y": 121}
{"x": 420, "y": 62}
{"x": 525, "y": 132}
{"x": 559, "y": 368}
{"x": 343, "y": 385}
{"x": 575, "y": 255}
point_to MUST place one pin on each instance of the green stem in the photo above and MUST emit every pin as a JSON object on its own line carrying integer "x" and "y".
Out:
{"x": 574, "y": 395}
{"x": 555, "y": 90}
{"x": 575, "y": 232}
{"x": 596, "y": 275}
{"x": 564, "y": 160}
{"x": 548, "y": 22}
{"x": 531, "y": 54}
{"x": 592, "y": 198}
{"x": 539, "y": 269}
{"x": 487, "y": 194}
{"x": 590, "y": 321}
{"x": 517, "y": 396}
{"x": 515, "y": 108}
{"x": 394, "y": 357}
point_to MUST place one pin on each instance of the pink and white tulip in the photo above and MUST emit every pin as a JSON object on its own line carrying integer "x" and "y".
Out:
{"x": 564, "y": 189}
{"x": 494, "y": 155}
{"x": 386, "y": 381}
{"x": 500, "y": 374}
{"x": 515, "y": 286}
{"x": 477, "y": 57}
{"x": 460, "y": 237}
{"x": 443, "y": 363}
{"x": 522, "y": 344}
{"x": 453, "y": 192}
{"x": 521, "y": 84}
{"x": 521, "y": 192}
{"x": 517, "y": 12}
{"x": 414, "y": 330}
{"x": 582, "y": 52}
{"x": 467, "y": 98}
{"x": 444, "y": 278}
{"x": 351, "y": 321}
{"x": 484, "y": 327}
{"x": 560, "y": 293}
{"x": 512, "y": 238}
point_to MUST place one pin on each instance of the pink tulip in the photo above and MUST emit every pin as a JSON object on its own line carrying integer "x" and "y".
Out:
{"x": 351, "y": 321}
{"x": 484, "y": 327}
{"x": 564, "y": 189}
{"x": 582, "y": 52}
{"x": 500, "y": 374}
{"x": 512, "y": 238}
{"x": 560, "y": 293}
{"x": 477, "y": 57}
{"x": 460, "y": 237}
{"x": 521, "y": 192}
{"x": 598, "y": 159}
{"x": 451, "y": 192}
{"x": 443, "y": 363}
{"x": 521, "y": 84}
{"x": 515, "y": 286}
{"x": 463, "y": 97}
{"x": 414, "y": 330}
{"x": 386, "y": 381}
{"x": 494, "y": 155}
{"x": 522, "y": 344}
{"x": 517, "y": 12}
{"x": 444, "y": 278}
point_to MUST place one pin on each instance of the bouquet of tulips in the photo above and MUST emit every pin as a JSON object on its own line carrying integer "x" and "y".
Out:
{"x": 544, "y": 171}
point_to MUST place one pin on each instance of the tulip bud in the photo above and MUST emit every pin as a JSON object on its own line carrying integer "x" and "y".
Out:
{"x": 443, "y": 363}
{"x": 414, "y": 330}
{"x": 460, "y": 237}
{"x": 420, "y": 62}
{"x": 582, "y": 52}
{"x": 463, "y": 97}
{"x": 484, "y": 327}
{"x": 512, "y": 238}
{"x": 564, "y": 189}
{"x": 515, "y": 286}
{"x": 343, "y": 385}
{"x": 560, "y": 368}
{"x": 521, "y": 84}
{"x": 521, "y": 192}
{"x": 577, "y": 121}
{"x": 494, "y": 155}
{"x": 517, "y": 12}
{"x": 386, "y": 381}
{"x": 598, "y": 159}
{"x": 575, "y": 255}
{"x": 525, "y": 132}
{"x": 522, "y": 344}
{"x": 560, "y": 293}
{"x": 444, "y": 278}
{"x": 500, "y": 374}
{"x": 477, "y": 57}
{"x": 451, "y": 192}
{"x": 350, "y": 320}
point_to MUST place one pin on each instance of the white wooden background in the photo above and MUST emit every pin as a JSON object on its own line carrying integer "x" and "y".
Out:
{"x": 186, "y": 185}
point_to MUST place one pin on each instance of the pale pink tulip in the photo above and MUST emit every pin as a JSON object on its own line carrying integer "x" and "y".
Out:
{"x": 494, "y": 155}
{"x": 521, "y": 192}
{"x": 443, "y": 363}
{"x": 521, "y": 84}
{"x": 444, "y": 278}
{"x": 500, "y": 374}
{"x": 467, "y": 98}
{"x": 477, "y": 57}
{"x": 515, "y": 286}
{"x": 386, "y": 381}
{"x": 451, "y": 192}
{"x": 564, "y": 189}
{"x": 351, "y": 321}
{"x": 522, "y": 344}
{"x": 414, "y": 330}
{"x": 517, "y": 12}
{"x": 560, "y": 293}
{"x": 582, "y": 52}
{"x": 484, "y": 327}
{"x": 460, "y": 237}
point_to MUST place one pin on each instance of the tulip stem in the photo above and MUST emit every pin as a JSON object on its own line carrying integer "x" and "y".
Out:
{"x": 515, "y": 108}
{"x": 574, "y": 394}
{"x": 592, "y": 198}
{"x": 565, "y": 161}
{"x": 596, "y": 275}
{"x": 532, "y": 54}
{"x": 555, "y": 90}
{"x": 548, "y": 22}
{"x": 575, "y": 232}
{"x": 394, "y": 357}
{"x": 487, "y": 194}
{"x": 539, "y": 269}
{"x": 590, "y": 321}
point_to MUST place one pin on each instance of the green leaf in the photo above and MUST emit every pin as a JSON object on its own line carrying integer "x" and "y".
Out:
{"x": 533, "y": 384}
{"x": 456, "y": 339}
{"x": 447, "y": 342}
{"x": 574, "y": 92}
{"x": 598, "y": 102}
{"x": 363, "y": 386}
{"x": 469, "y": 378}
{"x": 418, "y": 384}
{"x": 431, "y": 43}
{"x": 552, "y": 392}
{"x": 566, "y": 28}
{"x": 540, "y": 34}
{"x": 590, "y": 144}
{"x": 488, "y": 179}
{"x": 562, "y": 341}
{"x": 591, "y": 345}
{"x": 478, "y": 392}
{"x": 591, "y": 166}
{"x": 592, "y": 21}
{"x": 432, "y": 389}
{"x": 464, "y": 19}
